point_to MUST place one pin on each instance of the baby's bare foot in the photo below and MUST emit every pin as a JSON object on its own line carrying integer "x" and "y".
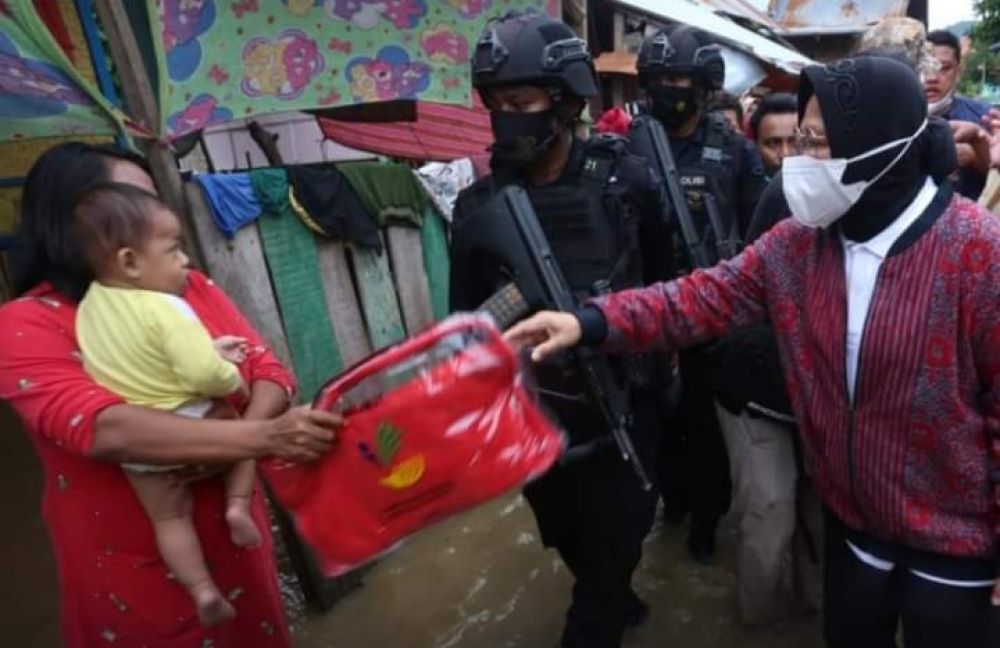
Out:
{"x": 213, "y": 608}
{"x": 242, "y": 529}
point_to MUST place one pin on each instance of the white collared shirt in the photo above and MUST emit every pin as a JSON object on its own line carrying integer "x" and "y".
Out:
{"x": 861, "y": 264}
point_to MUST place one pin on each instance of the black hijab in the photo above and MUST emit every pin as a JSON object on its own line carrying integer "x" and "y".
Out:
{"x": 868, "y": 101}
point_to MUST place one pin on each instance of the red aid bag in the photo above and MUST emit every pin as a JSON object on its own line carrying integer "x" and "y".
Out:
{"x": 433, "y": 426}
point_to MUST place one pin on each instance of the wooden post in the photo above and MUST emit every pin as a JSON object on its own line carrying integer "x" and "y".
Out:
{"x": 140, "y": 101}
{"x": 617, "y": 82}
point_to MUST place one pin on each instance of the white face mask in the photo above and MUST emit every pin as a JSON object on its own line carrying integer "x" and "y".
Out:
{"x": 941, "y": 106}
{"x": 813, "y": 187}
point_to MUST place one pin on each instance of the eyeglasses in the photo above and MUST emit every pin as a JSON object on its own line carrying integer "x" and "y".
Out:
{"x": 808, "y": 142}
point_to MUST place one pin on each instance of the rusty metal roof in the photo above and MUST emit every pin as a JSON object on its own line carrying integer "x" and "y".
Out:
{"x": 831, "y": 16}
{"x": 703, "y": 16}
{"x": 741, "y": 9}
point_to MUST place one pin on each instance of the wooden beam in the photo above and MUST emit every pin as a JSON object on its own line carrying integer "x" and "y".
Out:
{"x": 342, "y": 302}
{"x": 141, "y": 105}
{"x": 407, "y": 256}
{"x": 238, "y": 266}
{"x": 378, "y": 297}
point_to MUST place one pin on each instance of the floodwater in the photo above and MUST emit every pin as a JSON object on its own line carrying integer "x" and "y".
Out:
{"x": 483, "y": 580}
{"x": 480, "y": 580}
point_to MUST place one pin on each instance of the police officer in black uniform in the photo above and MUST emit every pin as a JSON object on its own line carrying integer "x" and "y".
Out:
{"x": 598, "y": 206}
{"x": 681, "y": 70}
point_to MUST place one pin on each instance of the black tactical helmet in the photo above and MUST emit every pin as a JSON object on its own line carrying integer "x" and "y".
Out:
{"x": 681, "y": 50}
{"x": 531, "y": 48}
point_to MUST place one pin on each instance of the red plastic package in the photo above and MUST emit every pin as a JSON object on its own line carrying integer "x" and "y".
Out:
{"x": 433, "y": 426}
{"x": 614, "y": 120}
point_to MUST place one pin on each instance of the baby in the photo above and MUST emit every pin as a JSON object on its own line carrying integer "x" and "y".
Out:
{"x": 142, "y": 341}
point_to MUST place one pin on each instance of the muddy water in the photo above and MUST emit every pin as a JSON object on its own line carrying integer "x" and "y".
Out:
{"x": 484, "y": 580}
{"x": 481, "y": 580}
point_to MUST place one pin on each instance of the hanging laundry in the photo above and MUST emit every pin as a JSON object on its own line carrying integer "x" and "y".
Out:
{"x": 443, "y": 181}
{"x": 389, "y": 191}
{"x": 331, "y": 206}
{"x": 303, "y": 215}
{"x": 293, "y": 262}
{"x": 437, "y": 262}
{"x": 232, "y": 199}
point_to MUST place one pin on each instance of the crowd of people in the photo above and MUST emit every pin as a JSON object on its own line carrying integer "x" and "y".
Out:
{"x": 810, "y": 342}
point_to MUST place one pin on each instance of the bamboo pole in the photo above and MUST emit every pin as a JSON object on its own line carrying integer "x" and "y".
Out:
{"x": 141, "y": 104}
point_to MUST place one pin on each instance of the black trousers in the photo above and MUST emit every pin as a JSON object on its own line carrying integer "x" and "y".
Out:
{"x": 863, "y": 605}
{"x": 596, "y": 515}
{"x": 693, "y": 464}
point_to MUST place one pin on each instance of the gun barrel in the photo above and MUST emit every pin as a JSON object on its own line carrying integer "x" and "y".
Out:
{"x": 651, "y": 141}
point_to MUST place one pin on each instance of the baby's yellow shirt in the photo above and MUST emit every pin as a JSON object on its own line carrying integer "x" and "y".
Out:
{"x": 150, "y": 348}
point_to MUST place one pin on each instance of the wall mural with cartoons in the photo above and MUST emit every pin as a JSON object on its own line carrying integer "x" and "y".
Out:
{"x": 226, "y": 59}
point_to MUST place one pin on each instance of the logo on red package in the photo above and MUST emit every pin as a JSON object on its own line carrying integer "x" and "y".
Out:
{"x": 388, "y": 444}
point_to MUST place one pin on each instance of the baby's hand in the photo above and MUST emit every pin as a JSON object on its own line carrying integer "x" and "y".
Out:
{"x": 232, "y": 348}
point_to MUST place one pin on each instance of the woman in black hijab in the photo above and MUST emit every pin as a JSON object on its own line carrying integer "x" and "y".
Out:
{"x": 863, "y": 111}
{"x": 882, "y": 289}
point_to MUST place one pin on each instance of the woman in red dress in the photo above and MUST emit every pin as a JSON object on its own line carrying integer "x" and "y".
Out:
{"x": 114, "y": 588}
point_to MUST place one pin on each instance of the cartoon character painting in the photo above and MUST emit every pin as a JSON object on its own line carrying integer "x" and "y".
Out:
{"x": 469, "y": 8}
{"x": 31, "y": 88}
{"x": 281, "y": 67}
{"x": 366, "y": 14}
{"x": 200, "y": 112}
{"x": 184, "y": 21}
{"x": 301, "y": 7}
{"x": 443, "y": 45}
{"x": 390, "y": 75}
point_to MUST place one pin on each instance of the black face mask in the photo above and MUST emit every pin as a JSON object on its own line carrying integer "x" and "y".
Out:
{"x": 673, "y": 105}
{"x": 522, "y": 138}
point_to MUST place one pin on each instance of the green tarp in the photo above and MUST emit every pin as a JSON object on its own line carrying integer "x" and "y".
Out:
{"x": 41, "y": 94}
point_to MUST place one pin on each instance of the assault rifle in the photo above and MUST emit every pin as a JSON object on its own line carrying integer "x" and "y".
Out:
{"x": 506, "y": 229}
{"x": 650, "y": 141}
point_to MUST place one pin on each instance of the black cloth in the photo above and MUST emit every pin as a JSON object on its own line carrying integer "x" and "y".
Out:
{"x": 771, "y": 209}
{"x": 693, "y": 464}
{"x": 866, "y": 102}
{"x": 747, "y": 366}
{"x": 593, "y": 511}
{"x": 333, "y": 206}
{"x": 862, "y": 605}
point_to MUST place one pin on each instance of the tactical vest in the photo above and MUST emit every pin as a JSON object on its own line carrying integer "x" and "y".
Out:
{"x": 590, "y": 224}
{"x": 715, "y": 173}
{"x": 592, "y": 230}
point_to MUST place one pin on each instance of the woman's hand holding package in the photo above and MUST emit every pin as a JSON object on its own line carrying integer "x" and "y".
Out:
{"x": 301, "y": 434}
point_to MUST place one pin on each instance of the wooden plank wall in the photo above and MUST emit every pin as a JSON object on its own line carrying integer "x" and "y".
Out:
{"x": 407, "y": 257}
{"x": 372, "y": 300}
{"x": 238, "y": 266}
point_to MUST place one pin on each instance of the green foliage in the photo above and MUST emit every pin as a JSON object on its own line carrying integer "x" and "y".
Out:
{"x": 987, "y": 30}
{"x": 982, "y": 65}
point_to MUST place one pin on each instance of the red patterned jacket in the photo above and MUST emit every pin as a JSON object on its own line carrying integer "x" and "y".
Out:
{"x": 917, "y": 459}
